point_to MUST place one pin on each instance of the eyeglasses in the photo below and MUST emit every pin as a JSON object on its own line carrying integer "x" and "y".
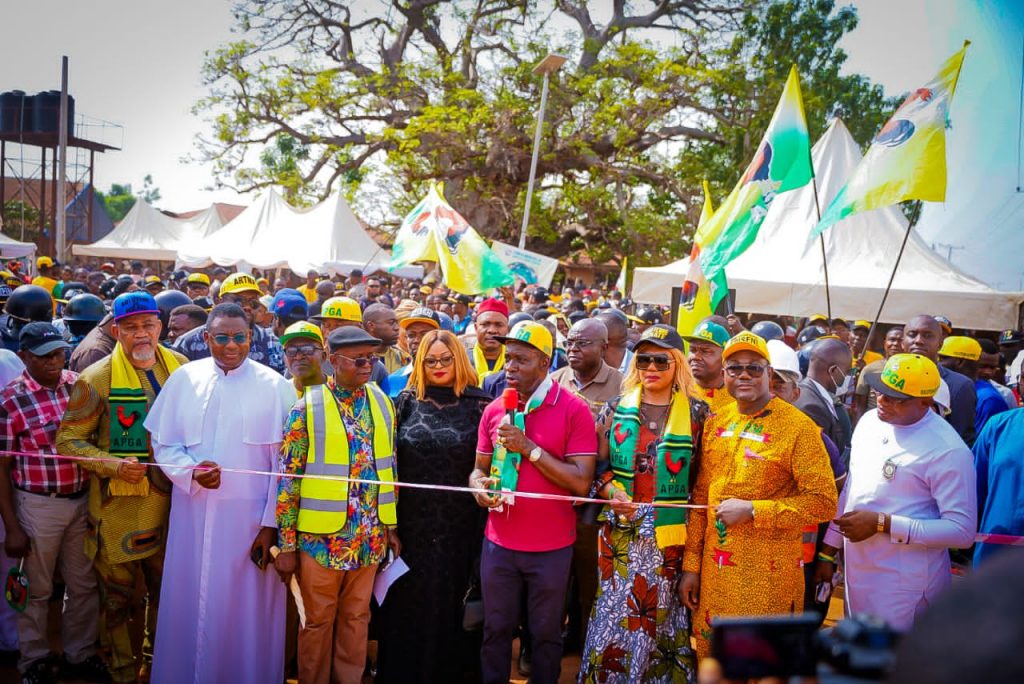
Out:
{"x": 577, "y": 343}
{"x": 244, "y": 302}
{"x": 297, "y": 350}
{"x": 237, "y": 338}
{"x": 443, "y": 362}
{"x": 754, "y": 370}
{"x": 360, "y": 362}
{"x": 661, "y": 362}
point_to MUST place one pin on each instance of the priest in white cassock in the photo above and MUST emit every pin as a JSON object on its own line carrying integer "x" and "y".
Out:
{"x": 223, "y": 618}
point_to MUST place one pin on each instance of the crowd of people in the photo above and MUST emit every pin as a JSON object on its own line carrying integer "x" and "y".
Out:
{"x": 237, "y": 447}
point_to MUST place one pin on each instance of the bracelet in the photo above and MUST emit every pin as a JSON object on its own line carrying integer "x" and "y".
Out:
{"x": 827, "y": 558}
{"x": 881, "y": 523}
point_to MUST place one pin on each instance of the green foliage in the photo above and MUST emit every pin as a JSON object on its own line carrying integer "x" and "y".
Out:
{"x": 119, "y": 200}
{"x": 383, "y": 101}
{"x": 21, "y": 221}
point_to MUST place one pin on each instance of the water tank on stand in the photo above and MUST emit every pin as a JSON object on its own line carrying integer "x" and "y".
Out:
{"x": 46, "y": 112}
{"x": 16, "y": 112}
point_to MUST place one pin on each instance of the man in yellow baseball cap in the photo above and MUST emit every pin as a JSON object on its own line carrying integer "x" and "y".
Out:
{"x": 264, "y": 347}
{"x": 910, "y": 496}
{"x": 197, "y": 285}
{"x": 337, "y": 312}
{"x": 962, "y": 354}
{"x": 304, "y": 354}
{"x": 46, "y": 267}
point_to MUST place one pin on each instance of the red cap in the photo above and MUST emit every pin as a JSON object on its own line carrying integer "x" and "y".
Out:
{"x": 510, "y": 399}
{"x": 492, "y": 304}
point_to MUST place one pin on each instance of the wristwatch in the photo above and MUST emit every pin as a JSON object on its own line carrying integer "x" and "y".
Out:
{"x": 881, "y": 523}
{"x": 535, "y": 454}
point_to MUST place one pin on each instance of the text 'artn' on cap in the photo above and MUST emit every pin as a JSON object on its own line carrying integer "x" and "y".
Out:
{"x": 534, "y": 334}
{"x": 906, "y": 376}
{"x": 239, "y": 282}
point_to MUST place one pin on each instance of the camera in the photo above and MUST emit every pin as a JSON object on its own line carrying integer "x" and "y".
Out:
{"x": 858, "y": 649}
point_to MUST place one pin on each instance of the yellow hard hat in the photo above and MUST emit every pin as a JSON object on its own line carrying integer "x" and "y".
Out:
{"x": 239, "y": 282}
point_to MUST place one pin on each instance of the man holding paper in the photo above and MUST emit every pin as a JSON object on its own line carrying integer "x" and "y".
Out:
{"x": 548, "y": 447}
{"x": 224, "y": 411}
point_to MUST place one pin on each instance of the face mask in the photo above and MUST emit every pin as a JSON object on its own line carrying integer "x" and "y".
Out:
{"x": 843, "y": 386}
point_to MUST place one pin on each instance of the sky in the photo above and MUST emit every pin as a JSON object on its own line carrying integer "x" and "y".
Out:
{"x": 137, "y": 63}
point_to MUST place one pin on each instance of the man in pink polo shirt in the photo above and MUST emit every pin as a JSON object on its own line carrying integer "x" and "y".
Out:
{"x": 528, "y": 542}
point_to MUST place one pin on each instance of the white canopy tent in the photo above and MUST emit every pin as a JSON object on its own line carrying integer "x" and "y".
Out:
{"x": 782, "y": 274}
{"x": 270, "y": 233}
{"x": 13, "y": 249}
{"x": 147, "y": 234}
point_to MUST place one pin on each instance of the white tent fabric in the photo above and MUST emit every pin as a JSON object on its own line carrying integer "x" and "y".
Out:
{"x": 271, "y": 234}
{"x": 781, "y": 273}
{"x": 147, "y": 234}
{"x": 11, "y": 248}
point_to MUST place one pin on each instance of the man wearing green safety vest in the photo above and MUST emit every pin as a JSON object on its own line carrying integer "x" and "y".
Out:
{"x": 333, "y": 534}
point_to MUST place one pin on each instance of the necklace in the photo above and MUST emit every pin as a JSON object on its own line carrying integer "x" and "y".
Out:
{"x": 658, "y": 419}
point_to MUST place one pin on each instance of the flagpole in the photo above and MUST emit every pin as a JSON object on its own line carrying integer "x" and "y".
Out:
{"x": 821, "y": 240}
{"x": 885, "y": 295}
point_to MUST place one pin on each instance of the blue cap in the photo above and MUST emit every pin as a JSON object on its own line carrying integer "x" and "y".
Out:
{"x": 133, "y": 304}
{"x": 289, "y": 303}
{"x": 446, "y": 321}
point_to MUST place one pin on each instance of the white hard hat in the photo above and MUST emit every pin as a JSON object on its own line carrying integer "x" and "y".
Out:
{"x": 783, "y": 358}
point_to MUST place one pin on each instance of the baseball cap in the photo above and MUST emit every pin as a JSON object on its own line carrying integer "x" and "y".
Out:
{"x": 906, "y": 376}
{"x": 460, "y": 299}
{"x": 350, "y": 336}
{"x": 1011, "y": 337}
{"x": 492, "y": 304}
{"x": 746, "y": 341}
{"x": 133, "y": 304}
{"x": 647, "y": 316}
{"x": 41, "y": 339}
{"x": 661, "y": 335}
{"x": 267, "y": 301}
{"x": 289, "y": 303}
{"x": 945, "y": 324}
{"x": 200, "y": 278}
{"x": 239, "y": 282}
{"x": 532, "y": 333}
{"x": 782, "y": 357}
{"x": 340, "y": 308}
{"x": 302, "y": 329}
{"x": 44, "y": 262}
{"x": 153, "y": 279}
{"x": 862, "y": 324}
{"x": 961, "y": 347}
{"x": 421, "y": 314}
{"x": 108, "y": 266}
{"x": 709, "y": 331}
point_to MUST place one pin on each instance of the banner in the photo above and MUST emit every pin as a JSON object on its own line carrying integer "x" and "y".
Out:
{"x": 530, "y": 267}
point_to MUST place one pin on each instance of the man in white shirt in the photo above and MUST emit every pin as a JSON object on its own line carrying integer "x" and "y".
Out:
{"x": 224, "y": 616}
{"x": 910, "y": 495}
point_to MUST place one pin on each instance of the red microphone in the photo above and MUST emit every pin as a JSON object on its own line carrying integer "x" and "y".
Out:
{"x": 510, "y": 402}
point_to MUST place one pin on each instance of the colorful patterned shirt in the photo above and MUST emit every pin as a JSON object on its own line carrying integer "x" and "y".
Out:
{"x": 362, "y": 541}
{"x": 30, "y": 415}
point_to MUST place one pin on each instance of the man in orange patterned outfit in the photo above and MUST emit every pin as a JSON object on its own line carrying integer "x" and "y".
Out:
{"x": 765, "y": 474}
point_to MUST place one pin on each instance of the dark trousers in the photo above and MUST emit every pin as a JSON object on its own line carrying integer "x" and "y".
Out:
{"x": 504, "y": 574}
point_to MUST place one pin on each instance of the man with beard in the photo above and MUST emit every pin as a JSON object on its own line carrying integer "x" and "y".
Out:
{"x": 923, "y": 335}
{"x": 705, "y": 359}
{"x": 488, "y": 354}
{"x": 241, "y": 289}
{"x": 128, "y": 501}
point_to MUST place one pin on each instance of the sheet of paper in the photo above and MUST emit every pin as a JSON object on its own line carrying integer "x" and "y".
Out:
{"x": 386, "y": 577}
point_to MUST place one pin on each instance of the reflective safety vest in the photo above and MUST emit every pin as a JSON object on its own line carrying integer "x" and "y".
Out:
{"x": 323, "y": 505}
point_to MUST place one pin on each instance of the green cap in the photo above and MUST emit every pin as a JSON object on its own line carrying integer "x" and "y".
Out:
{"x": 709, "y": 331}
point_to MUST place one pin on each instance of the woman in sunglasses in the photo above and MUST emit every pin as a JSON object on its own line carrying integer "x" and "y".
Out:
{"x": 437, "y": 417}
{"x": 639, "y": 630}
{"x": 765, "y": 476}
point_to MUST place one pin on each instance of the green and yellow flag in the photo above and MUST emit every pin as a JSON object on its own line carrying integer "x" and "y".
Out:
{"x": 695, "y": 302}
{"x": 434, "y": 231}
{"x": 907, "y": 159}
{"x": 782, "y": 163}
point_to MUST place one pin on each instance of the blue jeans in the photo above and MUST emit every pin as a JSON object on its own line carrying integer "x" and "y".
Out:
{"x": 503, "y": 576}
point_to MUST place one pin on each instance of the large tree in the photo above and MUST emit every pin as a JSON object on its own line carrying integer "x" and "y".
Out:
{"x": 657, "y": 95}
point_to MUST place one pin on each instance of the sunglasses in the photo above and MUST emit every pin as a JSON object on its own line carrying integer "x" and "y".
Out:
{"x": 301, "y": 350}
{"x": 443, "y": 362}
{"x": 360, "y": 362}
{"x": 661, "y": 362}
{"x": 237, "y": 338}
{"x": 244, "y": 302}
{"x": 754, "y": 370}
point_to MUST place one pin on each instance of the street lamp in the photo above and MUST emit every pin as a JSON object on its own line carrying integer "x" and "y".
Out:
{"x": 545, "y": 67}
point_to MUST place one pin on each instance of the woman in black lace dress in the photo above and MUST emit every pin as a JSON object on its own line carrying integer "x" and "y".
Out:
{"x": 441, "y": 532}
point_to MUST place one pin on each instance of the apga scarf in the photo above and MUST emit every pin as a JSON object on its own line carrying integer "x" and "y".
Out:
{"x": 505, "y": 464}
{"x": 128, "y": 408}
{"x": 672, "y": 467}
{"x": 480, "y": 363}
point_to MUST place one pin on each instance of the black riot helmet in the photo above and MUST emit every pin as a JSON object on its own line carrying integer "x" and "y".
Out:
{"x": 167, "y": 301}
{"x": 30, "y": 303}
{"x": 83, "y": 312}
{"x": 768, "y": 330}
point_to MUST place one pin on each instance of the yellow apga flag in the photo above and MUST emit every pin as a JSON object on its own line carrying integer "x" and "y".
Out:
{"x": 907, "y": 159}
{"x": 434, "y": 231}
{"x": 695, "y": 301}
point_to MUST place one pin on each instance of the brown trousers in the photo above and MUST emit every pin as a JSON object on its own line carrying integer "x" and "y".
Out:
{"x": 332, "y": 645}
